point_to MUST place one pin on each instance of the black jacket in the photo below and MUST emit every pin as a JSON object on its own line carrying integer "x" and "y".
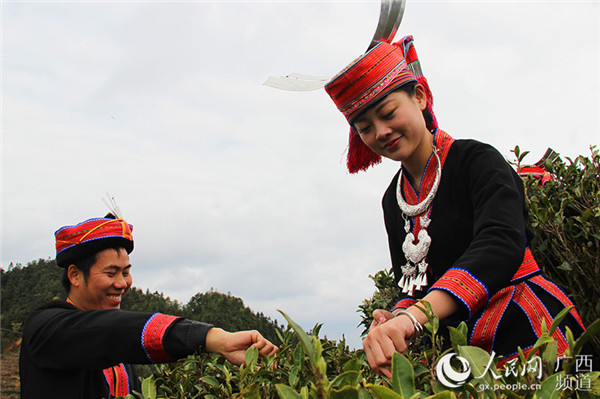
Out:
{"x": 68, "y": 353}
{"x": 479, "y": 251}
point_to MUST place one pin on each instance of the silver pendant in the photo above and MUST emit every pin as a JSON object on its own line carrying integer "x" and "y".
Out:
{"x": 414, "y": 272}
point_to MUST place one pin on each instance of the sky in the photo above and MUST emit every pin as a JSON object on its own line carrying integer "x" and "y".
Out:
{"x": 240, "y": 187}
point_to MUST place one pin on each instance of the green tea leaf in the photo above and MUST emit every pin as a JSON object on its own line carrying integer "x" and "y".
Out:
{"x": 457, "y": 338}
{"x": 149, "y": 388}
{"x": 592, "y": 330}
{"x": 251, "y": 358}
{"x": 549, "y": 354}
{"x": 403, "y": 377}
{"x": 251, "y": 392}
{"x": 559, "y": 318}
{"x": 350, "y": 378}
{"x": 381, "y": 392}
{"x": 363, "y": 394}
{"x": 541, "y": 341}
{"x": 210, "y": 381}
{"x": 473, "y": 392}
{"x": 565, "y": 265}
{"x": 293, "y": 377}
{"x": 594, "y": 377}
{"x": 462, "y": 327}
{"x": 344, "y": 393}
{"x": 478, "y": 360}
{"x": 352, "y": 365}
{"x": 549, "y": 388}
{"x": 317, "y": 350}
{"x": 286, "y": 392}
{"x": 298, "y": 355}
{"x": 305, "y": 339}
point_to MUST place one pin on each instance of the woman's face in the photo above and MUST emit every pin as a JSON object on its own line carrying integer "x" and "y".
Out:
{"x": 395, "y": 127}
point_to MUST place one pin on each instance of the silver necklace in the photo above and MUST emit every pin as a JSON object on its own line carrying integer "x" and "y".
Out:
{"x": 414, "y": 272}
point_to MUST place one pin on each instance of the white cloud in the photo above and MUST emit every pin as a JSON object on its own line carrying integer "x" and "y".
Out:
{"x": 240, "y": 187}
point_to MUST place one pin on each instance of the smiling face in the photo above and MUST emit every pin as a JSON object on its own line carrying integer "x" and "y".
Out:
{"x": 395, "y": 127}
{"x": 108, "y": 280}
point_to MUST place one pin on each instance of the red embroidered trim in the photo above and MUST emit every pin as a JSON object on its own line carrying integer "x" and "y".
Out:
{"x": 399, "y": 73}
{"x": 536, "y": 312}
{"x": 464, "y": 286}
{"x": 365, "y": 77}
{"x": 404, "y": 303}
{"x": 91, "y": 229}
{"x": 108, "y": 376}
{"x": 484, "y": 331}
{"x": 443, "y": 142}
{"x": 117, "y": 380}
{"x": 553, "y": 289}
{"x": 153, "y": 334}
{"x": 528, "y": 266}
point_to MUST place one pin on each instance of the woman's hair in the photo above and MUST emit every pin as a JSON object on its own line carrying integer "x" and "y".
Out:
{"x": 410, "y": 89}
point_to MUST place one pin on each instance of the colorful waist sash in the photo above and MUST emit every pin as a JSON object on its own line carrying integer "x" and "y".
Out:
{"x": 528, "y": 268}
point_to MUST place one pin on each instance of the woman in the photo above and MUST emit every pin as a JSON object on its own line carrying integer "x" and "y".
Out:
{"x": 455, "y": 216}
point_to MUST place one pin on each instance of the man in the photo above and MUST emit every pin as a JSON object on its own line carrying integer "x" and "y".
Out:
{"x": 77, "y": 348}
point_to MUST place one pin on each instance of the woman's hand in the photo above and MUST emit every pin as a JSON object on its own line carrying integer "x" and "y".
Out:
{"x": 233, "y": 346}
{"x": 380, "y": 316}
{"x": 388, "y": 334}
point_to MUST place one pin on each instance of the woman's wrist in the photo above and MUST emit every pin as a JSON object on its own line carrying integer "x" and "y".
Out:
{"x": 418, "y": 329}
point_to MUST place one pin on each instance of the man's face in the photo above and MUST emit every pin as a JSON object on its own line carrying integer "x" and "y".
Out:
{"x": 109, "y": 279}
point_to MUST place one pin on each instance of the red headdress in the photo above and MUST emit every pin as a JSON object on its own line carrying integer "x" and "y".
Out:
{"x": 87, "y": 238}
{"x": 369, "y": 78}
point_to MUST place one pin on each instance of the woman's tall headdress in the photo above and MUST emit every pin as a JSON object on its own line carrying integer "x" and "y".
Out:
{"x": 383, "y": 68}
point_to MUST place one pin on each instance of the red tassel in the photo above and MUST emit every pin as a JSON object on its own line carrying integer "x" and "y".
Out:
{"x": 360, "y": 157}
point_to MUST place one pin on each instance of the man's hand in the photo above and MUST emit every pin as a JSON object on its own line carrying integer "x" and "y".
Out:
{"x": 386, "y": 336}
{"x": 233, "y": 346}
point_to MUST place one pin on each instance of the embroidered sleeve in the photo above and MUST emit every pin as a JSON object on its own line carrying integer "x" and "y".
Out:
{"x": 464, "y": 287}
{"x": 405, "y": 303}
{"x": 153, "y": 337}
{"x": 496, "y": 234}
{"x": 186, "y": 337}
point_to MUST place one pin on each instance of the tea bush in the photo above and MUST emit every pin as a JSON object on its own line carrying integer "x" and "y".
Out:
{"x": 564, "y": 215}
{"x": 309, "y": 367}
{"x": 565, "y": 219}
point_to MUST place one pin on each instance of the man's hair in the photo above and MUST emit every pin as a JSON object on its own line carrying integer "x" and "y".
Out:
{"x": 84, "y": 265}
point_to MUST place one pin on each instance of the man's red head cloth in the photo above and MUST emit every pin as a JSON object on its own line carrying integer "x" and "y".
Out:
{"x": 77, "y": 242}
{"x": 368, "y": 79}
